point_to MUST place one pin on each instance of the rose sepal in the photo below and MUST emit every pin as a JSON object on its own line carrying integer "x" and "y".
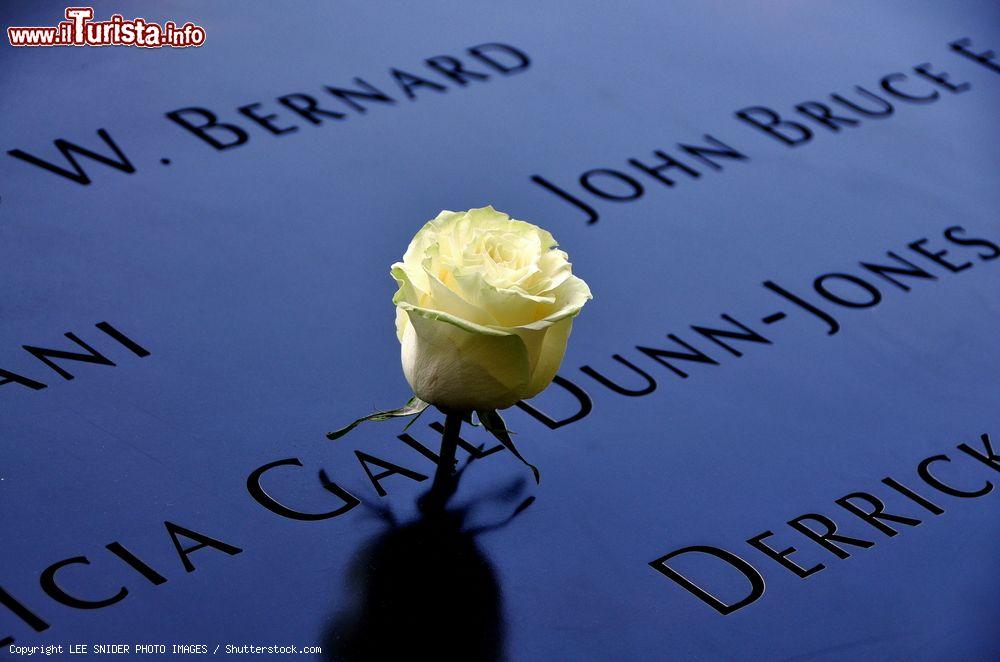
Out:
{"x": 493, "y": 422}
{"x": 414, "y": 407}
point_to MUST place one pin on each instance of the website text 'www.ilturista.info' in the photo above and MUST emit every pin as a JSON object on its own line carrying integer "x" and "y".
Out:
{"x": 79, "y": 29}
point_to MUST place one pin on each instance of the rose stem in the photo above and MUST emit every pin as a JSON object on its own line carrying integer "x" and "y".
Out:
{"x": 449, "y": 443}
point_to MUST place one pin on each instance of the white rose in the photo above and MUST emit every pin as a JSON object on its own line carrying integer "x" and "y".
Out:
{"x": 484, "y": 310}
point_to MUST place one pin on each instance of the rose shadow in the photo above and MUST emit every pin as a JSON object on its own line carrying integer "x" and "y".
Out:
{"x": 425, "y": 587}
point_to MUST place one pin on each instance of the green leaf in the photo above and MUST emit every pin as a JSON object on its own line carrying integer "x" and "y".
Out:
{"x": 493, "y": 422}
{"x": 414, "y": 407}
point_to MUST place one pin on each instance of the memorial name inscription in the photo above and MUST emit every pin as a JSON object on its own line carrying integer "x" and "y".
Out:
{"x": 49, "y": 356}
{"x": 923, "y": 85}
{"x": 925, "y": 262}
{"x": 291, "y": 111}
{"x": 823, "y": 530}
{"x": 824, "y": 302}
{"x": 602, "y": 184}
{"x": 703, "y": 345}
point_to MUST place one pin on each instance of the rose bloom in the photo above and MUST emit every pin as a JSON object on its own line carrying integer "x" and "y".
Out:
{"x": 484, "y": 310}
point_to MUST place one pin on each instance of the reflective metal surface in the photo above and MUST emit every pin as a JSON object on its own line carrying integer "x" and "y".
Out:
{"x": 256, "y": 279}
